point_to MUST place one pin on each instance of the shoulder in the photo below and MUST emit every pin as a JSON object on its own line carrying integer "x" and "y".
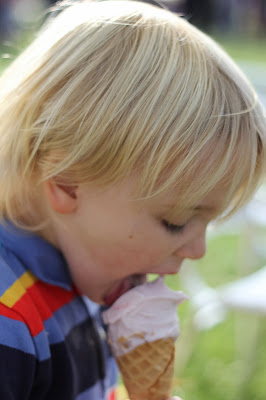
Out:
{"x": 20, "y": 322}
{"x": 18, "y": 350}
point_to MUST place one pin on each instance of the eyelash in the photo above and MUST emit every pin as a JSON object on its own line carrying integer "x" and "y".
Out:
{"x": 172, "y": 228}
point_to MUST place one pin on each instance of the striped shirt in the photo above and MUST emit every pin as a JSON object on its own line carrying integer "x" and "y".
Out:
{"x": 52, "y": 340}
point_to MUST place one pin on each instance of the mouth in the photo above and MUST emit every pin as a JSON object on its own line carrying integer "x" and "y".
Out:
{"x": 123, "y": 287}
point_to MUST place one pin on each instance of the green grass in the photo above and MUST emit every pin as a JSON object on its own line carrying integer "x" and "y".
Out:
{"x": 228, "y": 361}
{"x": 10, "y": 49}
{"x": 244, "y": 48}
{"x": 239, "y": 48}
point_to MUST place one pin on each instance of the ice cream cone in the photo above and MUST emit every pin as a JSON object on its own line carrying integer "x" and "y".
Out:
{"x": 148, "y": 369}
{"x": 143, "y": 326}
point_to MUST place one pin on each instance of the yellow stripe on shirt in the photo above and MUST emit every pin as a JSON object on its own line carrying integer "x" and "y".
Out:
{"x": 17, "y": 289}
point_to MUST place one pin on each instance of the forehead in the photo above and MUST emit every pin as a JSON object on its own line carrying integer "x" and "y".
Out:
{"x": 169, "y": 204}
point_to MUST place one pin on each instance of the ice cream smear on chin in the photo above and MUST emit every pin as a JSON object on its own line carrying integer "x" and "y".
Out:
{"x": 143, "y": 326}
{"x": 147, "y": 312}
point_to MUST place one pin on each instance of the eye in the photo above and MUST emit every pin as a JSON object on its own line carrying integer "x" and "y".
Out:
{"x": 172, "y": 227}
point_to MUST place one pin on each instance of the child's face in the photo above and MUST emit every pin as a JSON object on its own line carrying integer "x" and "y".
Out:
{"x": 110, "y": 237}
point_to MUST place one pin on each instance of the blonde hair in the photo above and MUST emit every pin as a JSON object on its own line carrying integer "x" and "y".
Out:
{"x": 112, "y": 88}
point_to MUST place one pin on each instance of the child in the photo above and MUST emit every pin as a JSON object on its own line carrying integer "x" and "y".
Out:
{"x": 124, "y": 131}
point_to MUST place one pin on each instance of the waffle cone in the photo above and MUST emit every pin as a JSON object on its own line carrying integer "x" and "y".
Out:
{"x": 148, "y": 369}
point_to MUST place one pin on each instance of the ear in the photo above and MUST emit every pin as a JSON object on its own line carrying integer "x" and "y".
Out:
{"x": 62, "y": 198}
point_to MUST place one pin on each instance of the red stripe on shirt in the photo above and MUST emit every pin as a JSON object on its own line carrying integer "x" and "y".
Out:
{"x": 10, "y": 313}
{"x": 55, "y": 298}
{"x": 46, "y": 300}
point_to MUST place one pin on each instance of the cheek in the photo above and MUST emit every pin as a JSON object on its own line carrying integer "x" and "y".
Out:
{"x": 123, "y": 248}
{"x": 140, "y": 253}
{"x": 148, "y": 244}
{"x": 128, "y": 257}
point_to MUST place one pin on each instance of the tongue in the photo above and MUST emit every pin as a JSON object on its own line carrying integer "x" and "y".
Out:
{"x": 122, "y": 288}
{"x": 118, "y": 291}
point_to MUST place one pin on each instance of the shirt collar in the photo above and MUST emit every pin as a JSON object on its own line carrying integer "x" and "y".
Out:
{"x": 40, "y": 257}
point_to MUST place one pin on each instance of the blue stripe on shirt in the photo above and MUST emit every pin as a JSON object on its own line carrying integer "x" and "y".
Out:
{"x": 67, "y": 316}
{"x": 16, "y": 334}
{"x": 42, "y": 346}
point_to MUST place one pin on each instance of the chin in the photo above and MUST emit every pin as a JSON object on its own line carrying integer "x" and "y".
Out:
{"x": 96, "y": 299}
{"x": 92, "y": 296}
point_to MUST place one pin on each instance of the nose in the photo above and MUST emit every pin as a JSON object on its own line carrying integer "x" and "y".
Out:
{"x": 194, "y": 249}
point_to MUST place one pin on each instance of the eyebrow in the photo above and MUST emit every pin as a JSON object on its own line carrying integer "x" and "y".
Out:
{"x": 197, "y": 208}
{"x": 204, "y": 207}
{"x": 212, "y": 211}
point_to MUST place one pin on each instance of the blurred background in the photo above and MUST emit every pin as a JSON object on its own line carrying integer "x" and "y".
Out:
{"x": 238, "y": 25}
{"x": 221, "y": 353}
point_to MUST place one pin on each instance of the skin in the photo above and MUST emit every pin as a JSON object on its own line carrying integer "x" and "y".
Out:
{"x": 107, "y": 237}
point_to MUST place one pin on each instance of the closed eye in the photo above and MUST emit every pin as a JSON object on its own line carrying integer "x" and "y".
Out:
{"x": 172, "y": 228}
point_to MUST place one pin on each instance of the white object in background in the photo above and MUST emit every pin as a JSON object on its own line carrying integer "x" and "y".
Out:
{"x": 247, "y": 294}
{"x": 210, "y": 305}
{"x": 208, "y": 308}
